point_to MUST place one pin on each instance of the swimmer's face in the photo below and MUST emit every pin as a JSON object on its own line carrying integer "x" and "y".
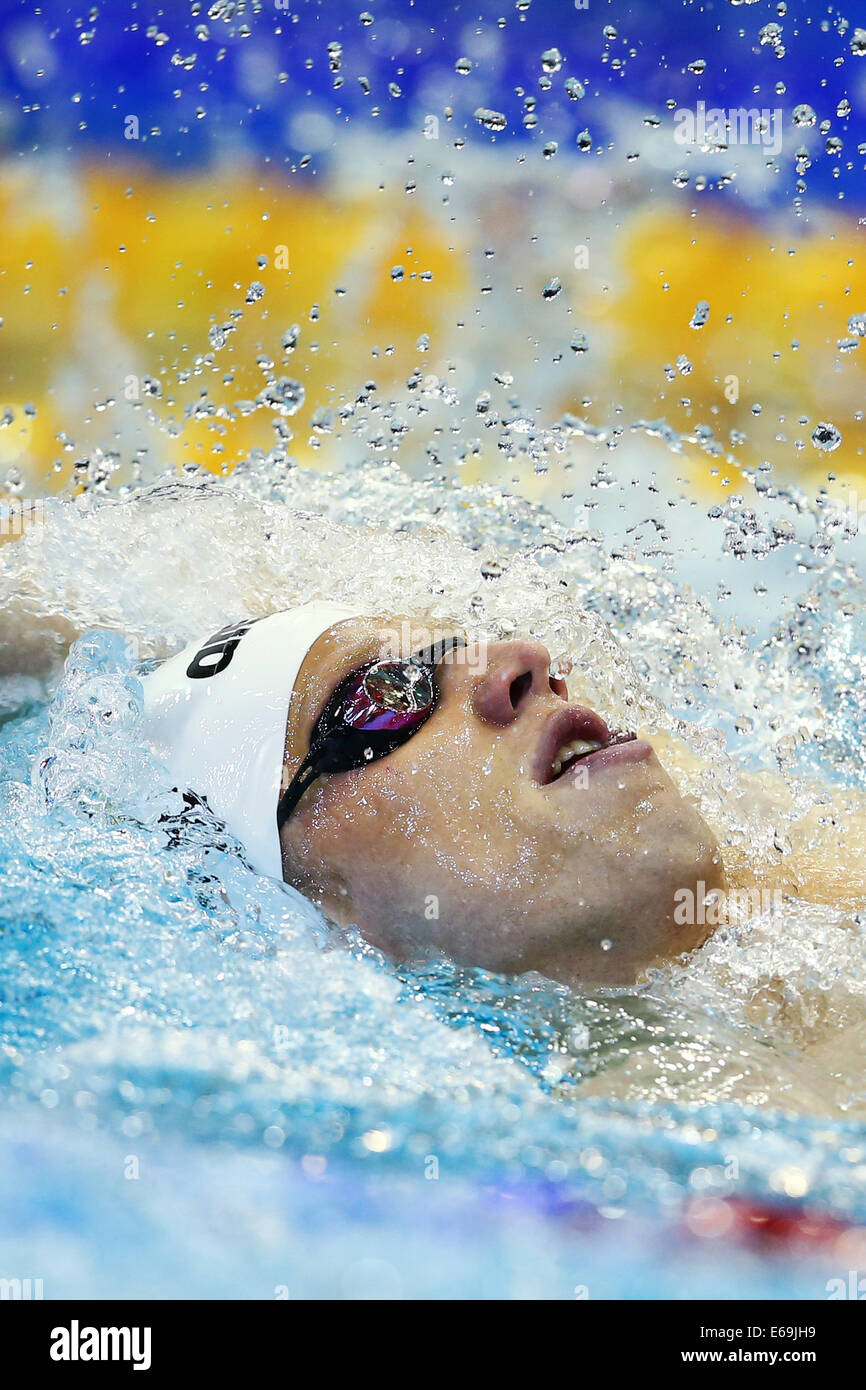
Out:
{"x": 464, "y": 839}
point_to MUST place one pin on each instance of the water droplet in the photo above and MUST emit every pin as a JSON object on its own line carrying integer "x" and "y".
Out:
{"x": 701, "y": 314}
{"x": 492, "y": 569}
{"x": 551, "y": 60}
{"x": 285, "y": 396}
{"x": 771, "y": 34}
{"x": 552, "y": 288}
{"x": 491, "y": 120}
{"x": 803, "y": 115}
{"x": 290, "y": 338}
{"x": 826, "y": 437}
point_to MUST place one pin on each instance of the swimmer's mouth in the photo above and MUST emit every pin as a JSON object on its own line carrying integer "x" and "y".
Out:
{"x": 577, "y": 736}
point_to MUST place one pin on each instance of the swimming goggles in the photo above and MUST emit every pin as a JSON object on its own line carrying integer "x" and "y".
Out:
{"x": 373, "y": 711}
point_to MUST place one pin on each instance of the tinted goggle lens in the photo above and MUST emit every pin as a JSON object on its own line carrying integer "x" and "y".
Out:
{"x": 369, "y": 715}
{"x": 390, "y": 696}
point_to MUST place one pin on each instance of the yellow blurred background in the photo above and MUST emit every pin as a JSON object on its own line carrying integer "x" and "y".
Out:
{"x": 114, "y": 274}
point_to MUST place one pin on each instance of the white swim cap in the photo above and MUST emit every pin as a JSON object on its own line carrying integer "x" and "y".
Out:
{"x": 216, "y": 717}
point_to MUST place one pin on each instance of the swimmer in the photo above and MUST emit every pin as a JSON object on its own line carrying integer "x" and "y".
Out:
{"x": 442, "y": 796}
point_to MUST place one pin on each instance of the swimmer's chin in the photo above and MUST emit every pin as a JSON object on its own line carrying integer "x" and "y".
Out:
{"x": 610, "y": 955}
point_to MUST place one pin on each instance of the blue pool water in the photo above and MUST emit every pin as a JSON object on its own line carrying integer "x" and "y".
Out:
{"x": 206, "y": 1091}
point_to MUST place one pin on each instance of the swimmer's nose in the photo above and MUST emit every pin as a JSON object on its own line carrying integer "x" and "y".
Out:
{"x": 516, "y": 673}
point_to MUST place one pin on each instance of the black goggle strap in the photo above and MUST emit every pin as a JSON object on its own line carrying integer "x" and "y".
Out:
{"x": 338, "y": 749}
{"x": 343, "y": 748}
{"x": 431, "y": 656}
{"x": 306, "y": 773}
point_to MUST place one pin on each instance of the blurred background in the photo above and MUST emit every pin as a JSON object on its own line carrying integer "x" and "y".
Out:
{"x": 424, "y": 234}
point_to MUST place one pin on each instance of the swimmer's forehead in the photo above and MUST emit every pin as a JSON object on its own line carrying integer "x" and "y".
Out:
{"x": 356, "y": 641}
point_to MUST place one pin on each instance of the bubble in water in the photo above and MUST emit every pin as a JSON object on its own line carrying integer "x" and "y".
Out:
{"x": 574, "y": 89}
{"x": 803, "y": 115}
{"x": 857, "y": 325}
{"x": 701, "y": 314}
{"x": 552, "y": 288}
{"x": 858, "y": 43}
{"x": 579, "y": 343}
{"x": 551, "y": 60}
{"x": 463, "y": 66}
{"x": 255, "y": 292}
{"x": 826, "y": 437}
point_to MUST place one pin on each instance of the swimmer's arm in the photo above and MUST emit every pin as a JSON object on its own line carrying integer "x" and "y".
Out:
{"x": 823, "y": 854}
{"x": 33, "y": 640}
{"x": 819, "y": 856}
